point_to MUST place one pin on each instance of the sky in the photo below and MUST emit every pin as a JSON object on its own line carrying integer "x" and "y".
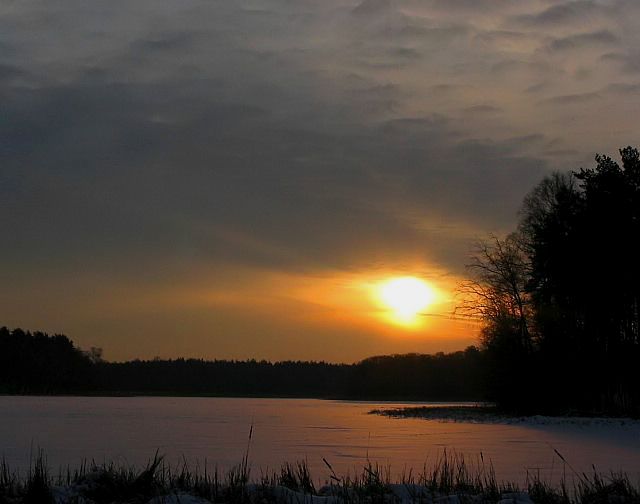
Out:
{"x": 236, "y": 179}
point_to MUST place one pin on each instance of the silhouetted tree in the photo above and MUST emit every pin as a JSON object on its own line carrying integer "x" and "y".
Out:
{"x": 39, "y": 363}
{"x": 564, "y": 292}
{"x": 496, "y": 293}
{"x": 586, "y": 280}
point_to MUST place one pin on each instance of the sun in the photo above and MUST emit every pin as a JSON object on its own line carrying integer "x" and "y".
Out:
{"x": 406, "y": 297}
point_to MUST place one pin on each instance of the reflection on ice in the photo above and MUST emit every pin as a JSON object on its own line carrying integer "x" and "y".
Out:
{"x": 215, "y": 430}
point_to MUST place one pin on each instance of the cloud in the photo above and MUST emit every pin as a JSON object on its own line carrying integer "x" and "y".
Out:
{"x": 501, "y": 36}
{"x": 11, "y": 75}
{"x": 149, "y": 167}
{"x": 511, "y": 66}
{"x": 628, "y": 62}
{"x": 537, "y": 87}
{"x": 620, "y": 88}
{"x": 601, "y": 38}
{"x": 573, "y": 13}
{"x": 140, "y": 143}
{"x": 374, "y": 8}
{"x": 260, "y": 142}
{"x": 281, "y": 127}
{"x": 482, "y": 109}
{"x": 574, "y": 99}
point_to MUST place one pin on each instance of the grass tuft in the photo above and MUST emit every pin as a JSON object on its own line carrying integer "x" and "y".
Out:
{"x": 451, "y": 474}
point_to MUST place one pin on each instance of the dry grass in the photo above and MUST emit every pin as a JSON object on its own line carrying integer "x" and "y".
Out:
{"x": 449, "y": 474}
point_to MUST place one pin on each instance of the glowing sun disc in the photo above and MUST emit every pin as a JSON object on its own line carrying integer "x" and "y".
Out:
{"x": 406, "y": 297}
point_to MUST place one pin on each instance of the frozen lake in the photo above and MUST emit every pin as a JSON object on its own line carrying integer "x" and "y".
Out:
{"x": 131, "y": 429}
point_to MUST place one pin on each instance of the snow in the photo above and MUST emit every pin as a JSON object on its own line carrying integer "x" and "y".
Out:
{"x": 178, "y": 498}
{"x": 470, "y": 414}
{"x": 395, "y": 493}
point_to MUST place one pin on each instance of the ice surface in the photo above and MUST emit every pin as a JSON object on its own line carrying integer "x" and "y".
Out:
{"x": 214, "y": 432}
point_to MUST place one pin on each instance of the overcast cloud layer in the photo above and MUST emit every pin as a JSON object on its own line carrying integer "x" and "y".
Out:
{"x": 143, "y": 142}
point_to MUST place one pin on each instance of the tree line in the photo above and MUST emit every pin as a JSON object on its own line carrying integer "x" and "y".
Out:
{"x": 560, "y": 297}
{"x": 38, "y": 363}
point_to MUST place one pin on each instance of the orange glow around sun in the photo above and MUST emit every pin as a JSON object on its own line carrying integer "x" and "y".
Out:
{"x": 405, "y": 299}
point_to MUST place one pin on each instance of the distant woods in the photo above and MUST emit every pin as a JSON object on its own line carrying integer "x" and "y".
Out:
{"x": 560, "y": 296}
{"x": 36, "y": 363}
{"x": 40, "y": 363}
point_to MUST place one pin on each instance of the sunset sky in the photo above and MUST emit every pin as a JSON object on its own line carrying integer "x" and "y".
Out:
{"x": 239, "y": 179}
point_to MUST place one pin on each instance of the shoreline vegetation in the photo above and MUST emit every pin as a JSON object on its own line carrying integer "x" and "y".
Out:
{"x": 483, "y": 413}
{"x": 451, "y": 479}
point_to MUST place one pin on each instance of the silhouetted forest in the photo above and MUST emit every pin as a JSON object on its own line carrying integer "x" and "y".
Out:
{"x": 36, "y": 363}
{"x": 560, "y": 297}
{"x": 41, "y": 364}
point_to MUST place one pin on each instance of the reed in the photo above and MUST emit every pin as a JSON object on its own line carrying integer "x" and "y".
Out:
{"x": 450, "y": 474}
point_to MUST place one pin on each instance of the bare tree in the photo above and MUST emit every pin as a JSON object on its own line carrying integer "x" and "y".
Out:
{"x": 496, "y": 291}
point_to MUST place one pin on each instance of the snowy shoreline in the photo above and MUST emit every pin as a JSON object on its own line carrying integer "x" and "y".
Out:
{"x": 279, "y": 494}
{"x": 486, "y": 414}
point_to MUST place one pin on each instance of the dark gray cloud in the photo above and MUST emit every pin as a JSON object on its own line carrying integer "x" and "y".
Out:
{"x": 578, "y": 12}
{"x": 623, "y": 88}
{"x": 615, "y": 89}
{"x": 512, "y": 66}
{"x": 574, "y": 99}
{"x": 499, "y": 37}
{"x": 601, "y": 38}
{"x": 104, "y": 172}
{"x": 288, "y": 136}
{"x": 628, "y": 62}
{"x": 537, "y": 87}
{"x": 107, "y": 164}
{"x": 482, "y": 109}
